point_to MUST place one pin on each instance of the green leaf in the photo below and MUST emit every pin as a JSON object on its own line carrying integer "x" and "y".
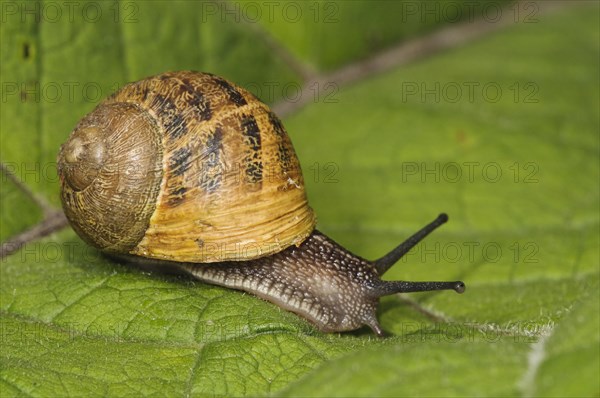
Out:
{"x": 574, "y": 347}
{"x": 425, "y": 363}
{"x": 381, "y": 158}
{"x": 14, "y": 198}
{"x": 311, "y": 30}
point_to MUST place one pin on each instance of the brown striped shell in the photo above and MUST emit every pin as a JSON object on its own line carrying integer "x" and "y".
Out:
{"x": 184, "y": 166}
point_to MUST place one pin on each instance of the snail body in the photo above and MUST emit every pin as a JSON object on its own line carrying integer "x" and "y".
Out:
{"x": 188, "y": 169}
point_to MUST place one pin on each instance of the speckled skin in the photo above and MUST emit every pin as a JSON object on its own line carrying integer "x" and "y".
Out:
{"x": 320, "y": 280}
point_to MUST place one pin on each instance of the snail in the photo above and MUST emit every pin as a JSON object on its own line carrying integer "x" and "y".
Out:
{"x": 190, "y": 170}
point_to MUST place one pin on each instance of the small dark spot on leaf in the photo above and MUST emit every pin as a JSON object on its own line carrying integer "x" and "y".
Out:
{"x": 26, "y": 50}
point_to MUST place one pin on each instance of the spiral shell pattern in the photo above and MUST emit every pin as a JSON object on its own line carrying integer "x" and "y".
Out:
{"x": 184, "y": 166}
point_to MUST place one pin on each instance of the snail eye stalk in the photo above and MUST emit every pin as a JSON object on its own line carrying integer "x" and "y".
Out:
{"x": 385, "y": 263}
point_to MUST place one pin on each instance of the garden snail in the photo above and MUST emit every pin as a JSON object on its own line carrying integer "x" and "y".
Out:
{"x": 193, "y": 171}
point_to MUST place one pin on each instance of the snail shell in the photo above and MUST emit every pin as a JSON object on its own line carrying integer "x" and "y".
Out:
{"x": 184, "y": 166}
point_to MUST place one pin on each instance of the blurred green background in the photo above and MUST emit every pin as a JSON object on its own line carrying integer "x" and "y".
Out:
{"x": 398, "y": 110}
